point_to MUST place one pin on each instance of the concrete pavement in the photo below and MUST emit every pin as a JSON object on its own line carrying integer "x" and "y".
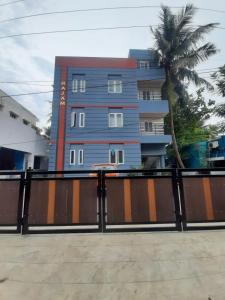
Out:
{"x": 113, "y": 266}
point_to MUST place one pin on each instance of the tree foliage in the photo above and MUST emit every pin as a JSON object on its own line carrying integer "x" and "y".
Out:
{"x": 189, "y": 122}
{"x": 219, "y": 78}
{"x": 189, "y": 119}
{"x": 179, "y": 50}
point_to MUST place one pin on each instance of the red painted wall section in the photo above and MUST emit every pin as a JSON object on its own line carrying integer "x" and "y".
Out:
{"x": 102, "y": 142}
{"x": 61, "y": 120}
{"x": 95, "y": 62}
{"x": 103, "y": 106}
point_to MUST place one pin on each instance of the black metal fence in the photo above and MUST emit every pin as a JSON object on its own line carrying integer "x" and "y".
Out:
{"x": 12, "y": 189}
{"x": 107, "y": 201}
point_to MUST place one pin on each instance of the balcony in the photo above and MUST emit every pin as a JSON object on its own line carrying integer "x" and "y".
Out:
{"x": 149, "y": 128}
{"x": 151, "y": 101}
{"x": 149, "y": 94}
{"x": 151, "y": 133}
{"x": 151, "y": 74}
{"x": 159, "y": 107}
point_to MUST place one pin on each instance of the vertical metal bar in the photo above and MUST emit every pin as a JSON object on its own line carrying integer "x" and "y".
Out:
{"x": 103, "y": 197}
{"x": 26, "y": 202}
{"x": 99, "y": 196}
{"x": 182, "y": 199}
{"x": 176, "y": 199}
{"x": 20, "y": 202}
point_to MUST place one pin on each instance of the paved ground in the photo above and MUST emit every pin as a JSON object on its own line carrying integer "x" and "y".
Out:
{"x": 113, "y": 266}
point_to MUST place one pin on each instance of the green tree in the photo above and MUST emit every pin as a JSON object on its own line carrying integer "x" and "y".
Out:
{"x": 219, "y": 78}
{"x": 189, "y": 121}
{"x": 178, "y": 51}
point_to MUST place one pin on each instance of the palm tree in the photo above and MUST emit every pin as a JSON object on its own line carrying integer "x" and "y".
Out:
{"x": 178, "y": 51}
{"x": 219, "y": 78}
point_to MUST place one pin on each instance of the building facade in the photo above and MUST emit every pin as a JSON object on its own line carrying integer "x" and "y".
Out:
{"x": 217, "y": 152}
{"x": 21, "y": 145}
{"x": 108, "y": 110}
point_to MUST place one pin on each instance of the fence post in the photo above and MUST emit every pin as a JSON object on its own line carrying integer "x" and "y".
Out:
{"x": 103, "y": 198}
{"x": 182, "y": 200}
{"x": 20, "y": 202}
{"x": 175, "y": 183}
{"x": 99, "y": 196}
{"x": 26, "y": 202}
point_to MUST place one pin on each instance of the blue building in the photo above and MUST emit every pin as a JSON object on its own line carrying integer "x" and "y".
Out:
{"x": 195, "y": 155}
{"x": 217, "y": 152}
{"x": 108, "y": 110}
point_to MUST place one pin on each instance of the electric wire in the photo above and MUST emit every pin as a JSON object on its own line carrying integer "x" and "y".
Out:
{"x": 98, "y": 9}
{"x": 124, "y": 83}
{"x": 81, "y": 30}
{"x": 12, "y": 2}
{"x": 80, "y": 133}
{"x": 30, "y": 82}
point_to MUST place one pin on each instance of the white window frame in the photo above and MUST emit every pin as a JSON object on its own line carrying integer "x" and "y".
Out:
{"x": 110, "y": 150}
{"x": 73, "y": 119}
{"x": 82, "y": 85}
{"x": 115, "y": 86}
{"x": 78, "y": 84}
{"x": 81, "y": 115}
{"x": 74, "y": 162}
{"x": 80, "y": 159}
{"x": 75, "y": 85}
{"x": 115, "y": 115}
{"x": 120, "y": 163}
{"x": 117, "y": 156}
{"x": 144, "y": 64}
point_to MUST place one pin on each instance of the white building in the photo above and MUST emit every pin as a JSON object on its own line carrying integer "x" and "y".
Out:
{"x": 21, "y": 145}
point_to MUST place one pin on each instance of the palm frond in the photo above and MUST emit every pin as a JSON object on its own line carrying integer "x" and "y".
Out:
{"x": 192, "y": 58}
{"x": 184, "y": 17}
{"x": 191, "y": 37}
{"x": 192, "y": 76}
{"x": 220, "y": 110}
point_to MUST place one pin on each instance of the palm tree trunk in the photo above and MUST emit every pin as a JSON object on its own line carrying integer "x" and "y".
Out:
{"x": 170, "y": 92}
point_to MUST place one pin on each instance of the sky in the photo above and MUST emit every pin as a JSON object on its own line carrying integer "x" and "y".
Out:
{"x": 31, "y": 58}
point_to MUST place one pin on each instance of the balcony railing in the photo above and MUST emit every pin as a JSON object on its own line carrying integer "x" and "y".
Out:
{"x": 149, "y": 95}
{"x": 148, "y": 128}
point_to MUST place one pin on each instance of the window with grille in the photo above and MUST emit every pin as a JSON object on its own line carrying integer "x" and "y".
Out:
{"x": 80, "y": 157}
{"x": 144, "y": 64}
{"x": 78, "y": 83}
{"x": 148, "y": 126}
{"x": 114, "y": 84}
{"x": 115, "y": 119}
{"x": 77, "y": 119}
{"x": 72, "y": 157}
{"x": 116, "y": 156}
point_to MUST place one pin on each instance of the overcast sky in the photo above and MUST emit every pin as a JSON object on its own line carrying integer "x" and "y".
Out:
{"x": 32, "y": 57}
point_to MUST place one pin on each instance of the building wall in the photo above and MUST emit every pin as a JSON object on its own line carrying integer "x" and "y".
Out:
{"x": 97, "y": 103}
{"x": 9, "y": 104}
{"x": 14, "y": 134}
{"x": 96, "y": 137}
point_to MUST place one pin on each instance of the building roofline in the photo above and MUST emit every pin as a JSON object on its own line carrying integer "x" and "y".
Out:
{"x": 17, "y": 103}
{"x": 95, "y": 62}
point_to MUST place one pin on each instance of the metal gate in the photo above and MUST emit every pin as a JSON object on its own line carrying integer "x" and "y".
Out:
{"x": 11, "y": 201}
{"x": 64, "y": 201}
{"x": 140, "y": 200}
{"x": 108, "y": 201}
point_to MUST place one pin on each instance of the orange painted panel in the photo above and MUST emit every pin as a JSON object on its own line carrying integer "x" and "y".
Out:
{"x": 127, "y": 201}
{"x": 51, "y": 201}
{"x": 76, "y": 201}
{"x": 208, "y": 199}
{"x": 151, "y": 201}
